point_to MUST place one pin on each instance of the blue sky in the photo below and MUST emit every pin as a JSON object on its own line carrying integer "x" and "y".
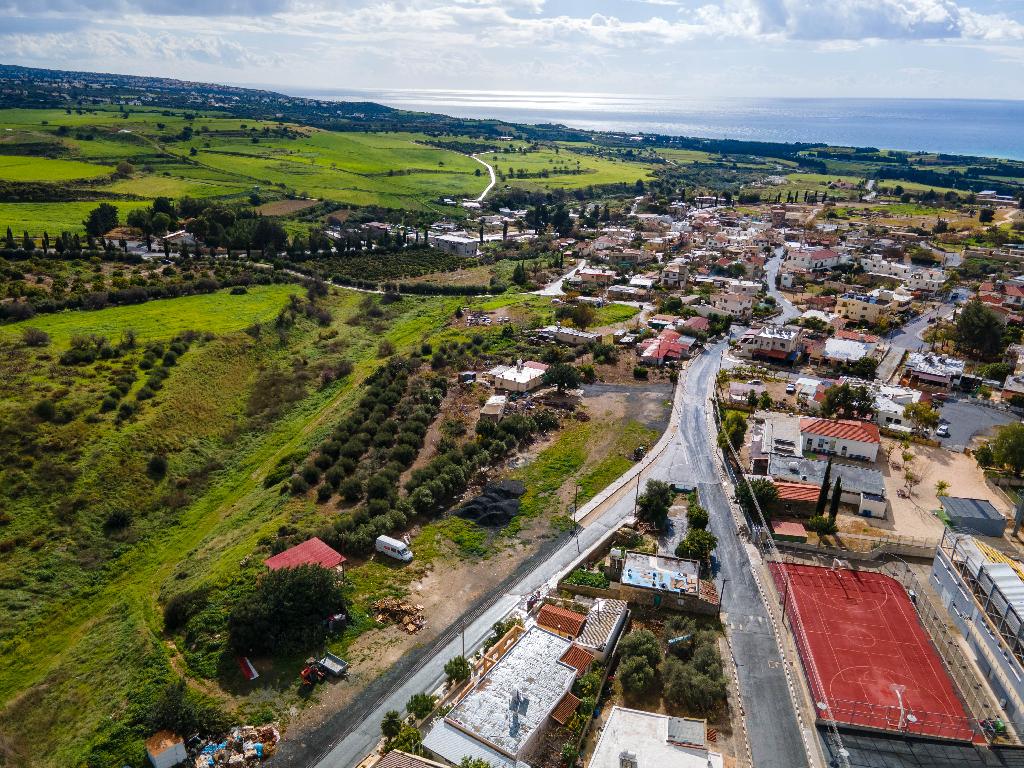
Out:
{"x": 692, "y": 48}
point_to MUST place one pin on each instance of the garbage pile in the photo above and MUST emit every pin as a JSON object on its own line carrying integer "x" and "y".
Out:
{"x": 394, "y": 611}
{"x": 244, "y": 745}
{"x": 496, "y": 506}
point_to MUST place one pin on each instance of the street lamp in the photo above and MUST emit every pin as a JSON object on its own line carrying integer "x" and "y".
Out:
{"x": 575, "y": 524}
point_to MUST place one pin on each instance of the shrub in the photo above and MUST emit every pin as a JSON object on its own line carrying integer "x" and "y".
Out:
{"x": 118, "y": 520}
{"x": 180, "y": 709}
{"x": 183, "y": 606}
{"x": 351, "y": 489}
{"x": 34, "y": 337}
{"x": 641, "y": 643}
{"x": 45, "y": 410}
{"x": 585, "y": 578}
{"x": 391, "y": 724}
{"x": 157, "y": 466}
{"x": 821, "y": 525}
{"x": 639, "y": 372}
{"x": 690, "y": 686}
{"x": 457, "y": 669}
{"x": 420, "y": 705}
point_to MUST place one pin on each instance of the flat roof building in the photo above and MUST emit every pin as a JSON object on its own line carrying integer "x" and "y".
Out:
{"x": 665, "y": 574}
{"x": 500, "y": 718}
{"x": 648, "y": 740}
{"x": 976, "y": 515}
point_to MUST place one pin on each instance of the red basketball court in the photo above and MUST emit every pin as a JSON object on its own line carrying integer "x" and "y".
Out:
{"x": 876, "y": 666}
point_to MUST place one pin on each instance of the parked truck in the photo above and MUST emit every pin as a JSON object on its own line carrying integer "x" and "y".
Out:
{"x": 394, "y": 548}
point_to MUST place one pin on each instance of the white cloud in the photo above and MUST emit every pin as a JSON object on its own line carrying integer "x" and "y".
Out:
{"x": 99, "y": 44}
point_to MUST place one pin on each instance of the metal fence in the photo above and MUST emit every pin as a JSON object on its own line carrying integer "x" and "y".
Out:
{"x": 970, "y": 688}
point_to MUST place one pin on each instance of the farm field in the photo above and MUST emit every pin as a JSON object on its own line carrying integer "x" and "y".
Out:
{"x": 36, "y": 218}
{"x": 23, "y": 168}
{"x": 215, "y": 312}
{"x": 566, "y": 169}
{"x": 214, "y": 156}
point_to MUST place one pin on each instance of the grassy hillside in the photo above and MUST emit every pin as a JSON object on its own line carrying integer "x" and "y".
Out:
{"x": 92, "y": 537}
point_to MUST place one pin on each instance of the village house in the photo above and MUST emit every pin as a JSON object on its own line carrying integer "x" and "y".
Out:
{"x": 847, "y": 438}
{"x": 735, "y": 305}
{"x": 674, "y": 275}
{"x": 594, "y": 276}
{"x": 456, "y": 244}
{"x": 775, "y": 343}
{"x": 502, "y": 717}
{"x": 862, "y": 308}
{"x": 813, "y": 260}
{"x": 933, "y": 369}
{"x": 521, "y": 377}
{"x": 635, "y": 739}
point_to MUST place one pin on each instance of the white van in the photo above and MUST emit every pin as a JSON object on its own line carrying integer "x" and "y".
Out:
{"x": 394, "y": 548}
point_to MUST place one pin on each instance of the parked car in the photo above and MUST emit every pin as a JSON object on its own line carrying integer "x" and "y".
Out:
{"x": 791, "y": 389}
{"x": 942, "y": 431}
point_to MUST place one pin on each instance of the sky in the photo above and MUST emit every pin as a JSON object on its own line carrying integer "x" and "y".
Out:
{"x": 686, "y": 48}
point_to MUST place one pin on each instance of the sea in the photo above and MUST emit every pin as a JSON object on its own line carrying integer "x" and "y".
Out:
{"x": 984, "y": 128}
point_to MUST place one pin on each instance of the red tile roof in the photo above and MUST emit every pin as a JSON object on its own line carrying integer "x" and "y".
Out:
{"x": 698, "y": 323}
{"x": 788, "y": 528}
{"x": 846, "y": 429}
{"x": 797, "y": 491}
{"x": 566, "y": 708}
{"x": 578, "y": 657}
{"x": 561, "y": 620}
{"x": 310, "y": 552}
{"x": 867, "y": 338}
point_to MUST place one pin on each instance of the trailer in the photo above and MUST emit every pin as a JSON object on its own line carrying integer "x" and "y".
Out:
{"x": 336, "y": 665}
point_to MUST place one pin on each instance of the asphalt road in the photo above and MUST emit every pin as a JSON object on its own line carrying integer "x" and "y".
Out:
{"x": 772, "y": 728}
{"x": 909, "y": 336}
{"x": 771, "y": 722}
{"x": 771, "y": 268}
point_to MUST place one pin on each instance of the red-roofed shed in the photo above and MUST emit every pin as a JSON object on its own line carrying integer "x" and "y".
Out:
{"x": 310, "y": 552}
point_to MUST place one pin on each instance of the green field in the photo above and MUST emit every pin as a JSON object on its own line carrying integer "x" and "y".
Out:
{"x": 36, "y": 218}
{"x": 565, "y": 169}
{"x": 22, "y": 168}
{"x": 213, "y": 156}
{"x": 216, "y": 312}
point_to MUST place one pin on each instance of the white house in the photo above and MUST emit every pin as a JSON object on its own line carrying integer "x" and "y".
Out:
{"x": 521, "y": 377}
{"x": 813, "y": 260}
{"x": 733, "y": 304}
{"x": 635, "y": 739}
{"x": 458, "y": 245}
{"x": 843, "y": 437}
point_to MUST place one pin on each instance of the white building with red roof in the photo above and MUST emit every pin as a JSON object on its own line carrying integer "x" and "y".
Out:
{"x": 848, "y": 438}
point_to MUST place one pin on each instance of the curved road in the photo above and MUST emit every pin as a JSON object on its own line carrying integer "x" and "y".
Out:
{"x": 490, "y": 186}
{"x": 771, "y": 270}
{"x": 687, "y": 456}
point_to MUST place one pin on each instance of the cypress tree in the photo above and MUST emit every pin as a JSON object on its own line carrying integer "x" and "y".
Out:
{"x": 823, "y": 494}
{"x": 837, "y": 491}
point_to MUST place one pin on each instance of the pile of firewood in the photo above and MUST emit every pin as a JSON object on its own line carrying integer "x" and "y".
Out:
{"x": 406, "y": 615}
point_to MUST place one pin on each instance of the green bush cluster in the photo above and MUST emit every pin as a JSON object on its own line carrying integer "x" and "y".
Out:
{"x": 585, "y": 578}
